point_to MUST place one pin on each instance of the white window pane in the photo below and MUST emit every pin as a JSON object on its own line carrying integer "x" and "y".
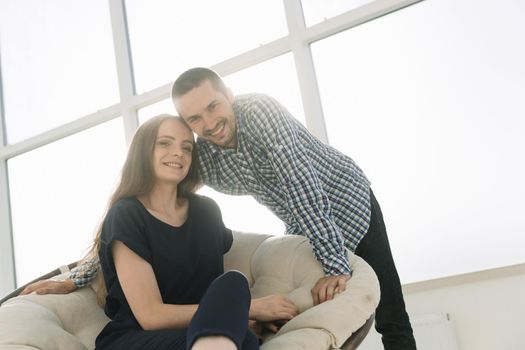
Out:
{"x": 58, "y": 195}
{"x": 433, "y": 112}
{"x": 244, "y": 213}
{"x": 276, "y": 77}
{"x": 316, "y": 11}
{"x": 241, "y": 213}
{"x": 161, "y": 107}
{"x": 168, "y": 37}
{"x": 57, "y": 63}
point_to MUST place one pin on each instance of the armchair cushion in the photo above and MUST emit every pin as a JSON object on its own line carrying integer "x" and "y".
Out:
{"x": 272, "y": 264}
{"x": 66, "y": 321}
{"x": 286, "y": 265}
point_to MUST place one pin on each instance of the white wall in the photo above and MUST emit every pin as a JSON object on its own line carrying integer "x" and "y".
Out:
{"x": 486, "y": 308}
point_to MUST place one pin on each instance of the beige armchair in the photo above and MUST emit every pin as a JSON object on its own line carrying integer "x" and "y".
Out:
{"x": 272, "y": 264}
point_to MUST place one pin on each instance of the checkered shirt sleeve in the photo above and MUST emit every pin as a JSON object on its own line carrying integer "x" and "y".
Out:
{"x": 272, "y": 126}
{"x": 84, "y": 273}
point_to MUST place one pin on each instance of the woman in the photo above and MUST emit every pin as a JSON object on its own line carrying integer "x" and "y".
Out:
{"x": 161, "y": 252}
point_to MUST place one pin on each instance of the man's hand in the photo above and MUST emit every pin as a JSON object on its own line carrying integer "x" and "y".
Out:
{"x": 273, "y": 307}
{"x": 327, "y": 287}
{"x": 50, "y": 287}
{"x": 263, "y": 329}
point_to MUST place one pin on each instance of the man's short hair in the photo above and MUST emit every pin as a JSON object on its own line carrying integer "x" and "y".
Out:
{"x": 193, "y": 78}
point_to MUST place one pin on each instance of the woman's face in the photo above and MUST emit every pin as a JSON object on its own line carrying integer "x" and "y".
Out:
{"x": 172, "y": 152}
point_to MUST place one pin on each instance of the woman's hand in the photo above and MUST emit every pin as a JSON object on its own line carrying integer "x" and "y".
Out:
{"x": 272, "y": 307}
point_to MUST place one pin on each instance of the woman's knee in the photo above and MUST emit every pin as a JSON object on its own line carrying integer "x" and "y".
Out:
{"x": 235, "y": 278}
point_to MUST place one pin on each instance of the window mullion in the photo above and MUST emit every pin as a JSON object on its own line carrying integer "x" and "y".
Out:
{"x": 305, "y": 70}
{"x": 7, "y": 264}
{"x": 124, "y": 66}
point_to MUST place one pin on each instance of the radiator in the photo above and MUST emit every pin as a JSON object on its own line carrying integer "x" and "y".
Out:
{"x": 432, "y": 332}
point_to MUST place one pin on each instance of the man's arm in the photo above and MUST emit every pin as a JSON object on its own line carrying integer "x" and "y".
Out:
{"x": 275, "y": 128}
{"x": 305, "y": 195}
{"x": 79, "y": 277}
{"x": 85, "y": 273}
{"x": 50, "y": 287}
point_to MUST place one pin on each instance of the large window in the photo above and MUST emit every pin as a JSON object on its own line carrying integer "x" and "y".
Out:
{"x": 426, "y": 97}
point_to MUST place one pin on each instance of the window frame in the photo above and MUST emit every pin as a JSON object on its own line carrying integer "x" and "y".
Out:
{"x": 297, "y": 42}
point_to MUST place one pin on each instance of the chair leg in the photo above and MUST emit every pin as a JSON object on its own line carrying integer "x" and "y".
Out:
{"x": 358, "y": 336}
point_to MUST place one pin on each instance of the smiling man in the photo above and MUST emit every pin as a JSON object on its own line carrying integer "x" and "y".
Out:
{"x": 251, "y": 145}
{"x": 210, "y": 113}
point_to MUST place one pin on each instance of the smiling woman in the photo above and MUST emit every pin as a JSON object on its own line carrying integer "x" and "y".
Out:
{"x": 173, "y": 151}
{"x": 161, "y": 248}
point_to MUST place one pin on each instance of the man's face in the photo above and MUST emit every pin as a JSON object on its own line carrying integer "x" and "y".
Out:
{"x": 209, "y": 113}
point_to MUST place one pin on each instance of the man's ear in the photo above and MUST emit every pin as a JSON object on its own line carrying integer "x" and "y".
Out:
{"x": 229, "y": 95}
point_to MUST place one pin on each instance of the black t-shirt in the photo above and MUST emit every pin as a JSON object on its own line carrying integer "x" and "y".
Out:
{"x": 185, "y": 259}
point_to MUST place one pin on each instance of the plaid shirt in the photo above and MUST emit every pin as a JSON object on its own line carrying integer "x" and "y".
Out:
{"x": 84, "y": 272}
{"x": 314, "y": 189}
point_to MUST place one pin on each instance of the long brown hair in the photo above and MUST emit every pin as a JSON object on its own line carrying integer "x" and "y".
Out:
{"x": 137, "y": 178}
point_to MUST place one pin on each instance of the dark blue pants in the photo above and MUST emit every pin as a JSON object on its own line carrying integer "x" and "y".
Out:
{"x": 223, "y": 310}
{"x": 391, "y": 317}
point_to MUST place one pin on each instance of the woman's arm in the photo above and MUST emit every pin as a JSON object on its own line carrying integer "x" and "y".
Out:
{"x": 140, "y": 287}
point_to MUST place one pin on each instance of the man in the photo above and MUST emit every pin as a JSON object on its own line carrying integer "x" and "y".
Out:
{"x": 251, "y": 145}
